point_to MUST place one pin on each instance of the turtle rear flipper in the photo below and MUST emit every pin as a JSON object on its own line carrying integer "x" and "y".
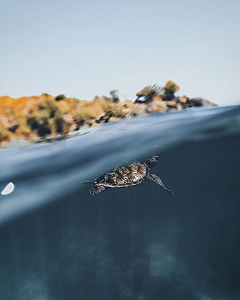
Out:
{"x": 156, "y": 179}
{"x": 97, "y": 189}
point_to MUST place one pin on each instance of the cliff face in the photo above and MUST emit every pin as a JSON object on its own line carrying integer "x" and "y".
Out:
{"x": 45, "y": 116}
{"x": 40, "y": 116}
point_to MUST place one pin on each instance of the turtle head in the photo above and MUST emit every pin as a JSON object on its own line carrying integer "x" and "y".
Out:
{"x": 151, "y": 162}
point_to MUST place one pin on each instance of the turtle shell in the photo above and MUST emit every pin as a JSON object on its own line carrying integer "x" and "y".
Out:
{"x": 128, "y": 175}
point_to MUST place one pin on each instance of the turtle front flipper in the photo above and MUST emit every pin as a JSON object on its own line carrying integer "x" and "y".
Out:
{"x": 97, "y": 189}
{"x": 156, "y": 179}
{"x": 151, "y": 162}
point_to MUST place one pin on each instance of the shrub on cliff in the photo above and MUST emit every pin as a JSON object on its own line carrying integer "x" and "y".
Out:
{"x": 170, "y": 89}
{"x": 88, "y": 111}
{"x": 147, "y": 94}
{"x": 25, "y": 131}
{"x": 39, "y": 121}
{"x": 49, "y": 106}
{"x": 4, "y": 135}
{"x": 44, "y": 129}
{"x": 59, "y": 123}
{"x": 84, "y": 113}
{"x": 114, "y": 96}
{"x": 60, "y": 97}
{"x": 112, "y": 109}
{"x": 64, "y": 107}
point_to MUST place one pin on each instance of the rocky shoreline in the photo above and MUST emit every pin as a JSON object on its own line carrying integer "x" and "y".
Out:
{"x": 40, "y": 117}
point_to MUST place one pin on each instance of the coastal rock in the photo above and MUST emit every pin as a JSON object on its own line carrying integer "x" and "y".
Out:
{"x": 194, "y": 102}
{"x": 186, "y": 102}
{"x": 45, "y": 116}
{"x": 140, "y": 109}
{"x": 156, "y": 106}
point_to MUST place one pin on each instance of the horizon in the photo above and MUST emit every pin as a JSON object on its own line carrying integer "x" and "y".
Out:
{"x": 83, "y": 49}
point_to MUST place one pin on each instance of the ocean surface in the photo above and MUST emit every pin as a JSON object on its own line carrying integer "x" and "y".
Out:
{"x": 57, "y": 242}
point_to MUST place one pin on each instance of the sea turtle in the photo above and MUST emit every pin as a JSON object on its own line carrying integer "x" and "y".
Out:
{"x": 125, "y": 176}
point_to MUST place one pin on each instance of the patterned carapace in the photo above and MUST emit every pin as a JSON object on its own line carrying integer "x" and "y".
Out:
{"x": 125, "y": 176}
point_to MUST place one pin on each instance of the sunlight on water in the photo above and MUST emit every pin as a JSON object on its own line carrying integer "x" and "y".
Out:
{"x": 8, "y": 189}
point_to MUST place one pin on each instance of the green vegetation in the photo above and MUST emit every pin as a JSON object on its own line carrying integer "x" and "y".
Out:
{"x": 4, "y": 135}
{"x": 49, "y": 106}
{"x": 60, "y": 123}
{"x": 112, "y": 109}
{"x": 60, "y": 97}
{"x": 40, "y": 122}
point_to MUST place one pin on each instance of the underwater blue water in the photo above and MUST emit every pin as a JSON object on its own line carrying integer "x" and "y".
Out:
{"x": 59, "y": 242}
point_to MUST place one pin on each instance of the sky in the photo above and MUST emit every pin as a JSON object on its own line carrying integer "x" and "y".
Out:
{"x": 84, "y": 48}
